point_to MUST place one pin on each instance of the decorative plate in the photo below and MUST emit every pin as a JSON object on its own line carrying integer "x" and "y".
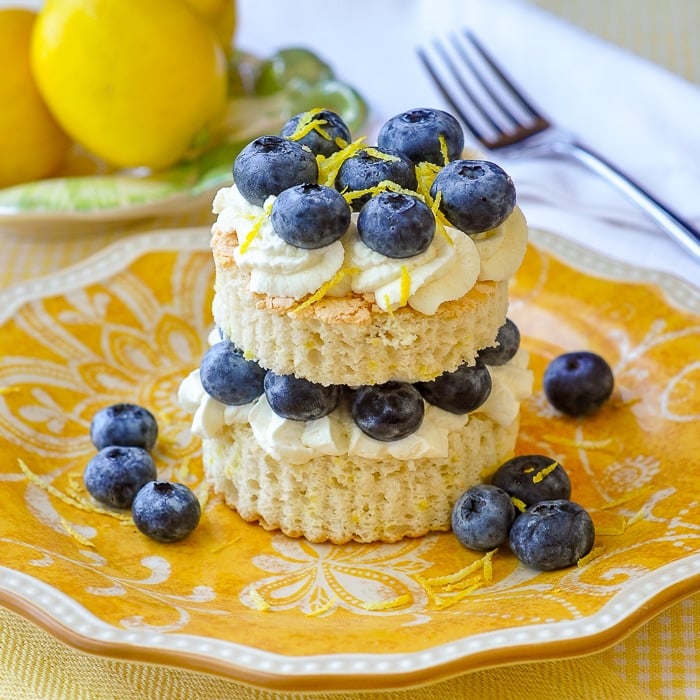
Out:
{"x": 280, "y": 613}
{"x": 88, "y": 195}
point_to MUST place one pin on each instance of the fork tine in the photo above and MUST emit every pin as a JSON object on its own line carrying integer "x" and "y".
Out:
{"x": 444, "y": 91}
{"x": 524, "y": 103}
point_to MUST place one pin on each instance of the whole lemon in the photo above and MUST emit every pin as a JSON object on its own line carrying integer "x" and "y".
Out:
{"x": 221, "y": 15}
{"x": 134, "y": 82}
{"x": 32, "y": 145}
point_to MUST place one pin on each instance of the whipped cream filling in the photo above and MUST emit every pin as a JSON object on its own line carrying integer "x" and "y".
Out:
{"x": 337, "y": 434}
{"x": 447, "y": 270}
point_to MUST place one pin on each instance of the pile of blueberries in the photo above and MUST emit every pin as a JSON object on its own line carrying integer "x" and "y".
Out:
{"x": 386, "y": 412}
{"x": 475, "y": 195}
{"x": 551, "y": 531}
{"x": 123, "y": 474}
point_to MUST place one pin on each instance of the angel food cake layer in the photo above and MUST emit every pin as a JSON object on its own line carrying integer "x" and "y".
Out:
{"x": 326, "y": 479}
{"x": 358, "y": 290}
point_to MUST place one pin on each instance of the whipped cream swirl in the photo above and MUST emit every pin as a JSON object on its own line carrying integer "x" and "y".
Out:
{"x": 447, "y": 270}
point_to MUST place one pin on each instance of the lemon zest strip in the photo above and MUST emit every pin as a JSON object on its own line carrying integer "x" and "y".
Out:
{"x": 488, "y": 566}
{"x": 387, "y": 303}
{"x": 630, "y": 496}
{"x": 593, "y": 554}
{"x": 520, "y": 505}
{"x": 459, "y": 585}
{"x": 425, "y": 175}
{"x": 383, "y": 186}
{"x": 544, "y": 473}
{"x": 580, "y": 444}
{"x": 329, "y": 166}
{"x": 397, "y": 602}
{"x": 626, "y": 523}
{"x": 405, "y": 286}
{"x": 443, "y": 148}
{"x": 442, "y": 601}
{"x": 253, "y": 233}
{"x": 75, "y": 534}
{"x": 321, "y": 609}
{"x": 75, "y": 502}
{"x": 225, "y": 545}
{"x": 307, "y": 123}
{"x": 459, "y": 575}
{"x": 258, "y": 600}
{"x": 376, "y": 153}
{"x": 323, "y": 289}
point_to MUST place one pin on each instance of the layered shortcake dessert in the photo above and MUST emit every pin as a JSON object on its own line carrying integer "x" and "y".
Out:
{"x": 362, "y": 373}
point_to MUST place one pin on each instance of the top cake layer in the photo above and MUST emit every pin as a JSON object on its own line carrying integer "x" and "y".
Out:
{"x": 381, "y": 298}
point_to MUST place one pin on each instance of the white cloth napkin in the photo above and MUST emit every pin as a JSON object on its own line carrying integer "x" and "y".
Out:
{"x": 640, "y": 116}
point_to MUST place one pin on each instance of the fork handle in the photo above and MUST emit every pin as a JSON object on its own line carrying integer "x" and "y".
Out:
{"x": 681, "y": 231}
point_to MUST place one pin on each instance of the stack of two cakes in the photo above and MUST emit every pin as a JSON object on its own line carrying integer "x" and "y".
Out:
{"x": 384, "y": 378}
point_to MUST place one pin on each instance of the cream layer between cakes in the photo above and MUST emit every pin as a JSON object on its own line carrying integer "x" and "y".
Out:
{"x": 326, "y": 480}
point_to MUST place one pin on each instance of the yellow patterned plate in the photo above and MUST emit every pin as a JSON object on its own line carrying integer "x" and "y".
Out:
{"x": 281, "y": 613}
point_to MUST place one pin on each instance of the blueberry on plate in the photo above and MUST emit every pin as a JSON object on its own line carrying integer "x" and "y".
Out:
{"x": 578, "y": 383}
{"x": 476, "y": 195}
{"x": 124, "y": 424}
{"x": 228, "y": 377}
{"x": 389, "y": 411}
{"x": 310, "y": 216}
{"x": 296, "y": 398}
{"x": 533, "y": 478}
{"x": 507, "y": 344}
{"x": 116, "y": 473}
{"x": 270, "y": 164}
{"x": 482, "y": 516}
{"x": 166, "y": 511}
{"x": 396, "y": 225}
{"x": 552, "y": 535}
{"x": 417, "y": 133}
{"x": 327, "y": 135}
{"x": 461, "y": 391}
{"x": 368, "y": 167}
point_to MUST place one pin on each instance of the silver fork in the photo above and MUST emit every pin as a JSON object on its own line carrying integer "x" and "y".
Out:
{"x": 501, "y": 118}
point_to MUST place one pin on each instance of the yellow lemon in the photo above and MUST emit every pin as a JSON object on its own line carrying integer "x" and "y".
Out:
{"x": 221, "y": 15}
{"x": 135, "y": 83}
{"x": 32, "y": 145}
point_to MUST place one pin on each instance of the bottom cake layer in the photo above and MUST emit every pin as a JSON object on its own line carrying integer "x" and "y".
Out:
{"x": 339, "y": 499}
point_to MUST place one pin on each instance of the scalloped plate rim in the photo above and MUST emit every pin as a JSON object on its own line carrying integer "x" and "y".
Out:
{"x": 68, "y": 621}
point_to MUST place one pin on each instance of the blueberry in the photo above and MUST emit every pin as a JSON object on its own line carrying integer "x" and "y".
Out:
{"x": 228, "y": 377}
{"x": 461, "y": 391}
{"x": 328, "y": 135}
{"x": 366, "y": 169}
{"x": 310, "y": 216}
{"x": 396, "y": 225}
{"x": 417, "y": 134}
{"x": 296, "y": 398}
{"x": 477, "y": 195}
{"x": 388, "y": 411}
{"x": 552, "y": 535}
{"x": 124, "y": 424}
{"x": 533, "y": 478}
{"x": 482, "y": 516}
{"x": 166, "y": 511}
{"x": 578, "y": 383}
{"x": 507, "y": 344}
{"x": 116, "y": 473}
{"x": 271, "y": 164}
